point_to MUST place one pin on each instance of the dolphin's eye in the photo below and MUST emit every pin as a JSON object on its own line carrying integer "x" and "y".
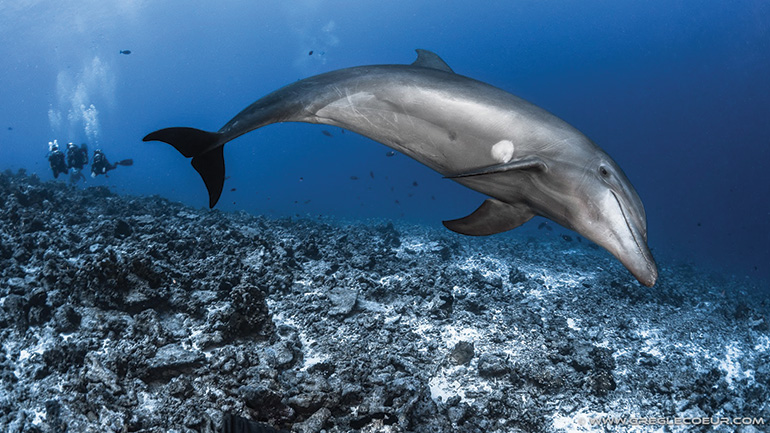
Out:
{"x": 603, "y": 171}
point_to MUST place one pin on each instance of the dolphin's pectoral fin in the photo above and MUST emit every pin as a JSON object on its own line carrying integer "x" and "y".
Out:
{"x": 493, "y": 216}
{"x": 529, "y": 163}
{"x": 429, "y": 59}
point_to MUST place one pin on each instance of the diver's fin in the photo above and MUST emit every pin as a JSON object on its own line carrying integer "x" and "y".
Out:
{"x": 125, "y": 162}
{"x": 211, "y": 167}
{"x": 529, "y": 163}
{"x": 188, "y": 141}
{"x": 493, "y": 216}
{"x": 201, "y": 146}
{"x": 429, "y": 59}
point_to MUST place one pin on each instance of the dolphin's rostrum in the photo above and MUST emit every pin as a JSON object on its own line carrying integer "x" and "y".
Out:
{"x": 528, "y": 160}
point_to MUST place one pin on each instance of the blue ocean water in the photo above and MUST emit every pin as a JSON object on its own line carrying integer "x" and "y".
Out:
{"x": 676, "y": 92}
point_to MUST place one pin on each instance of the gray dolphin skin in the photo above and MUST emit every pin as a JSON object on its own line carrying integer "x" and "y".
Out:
{"x": 527, "y": 160}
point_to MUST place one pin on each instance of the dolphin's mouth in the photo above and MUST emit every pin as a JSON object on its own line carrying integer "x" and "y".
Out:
{"x": 648, "y": 278}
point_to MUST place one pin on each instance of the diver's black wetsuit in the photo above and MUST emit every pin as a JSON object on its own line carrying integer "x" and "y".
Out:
{"x": 56, "y": 160}
{"x": 100, "y": 165}
{"x": 77, "y": 157}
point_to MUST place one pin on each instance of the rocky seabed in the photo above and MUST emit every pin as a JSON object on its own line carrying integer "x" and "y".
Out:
{"x": 136, "y": 314}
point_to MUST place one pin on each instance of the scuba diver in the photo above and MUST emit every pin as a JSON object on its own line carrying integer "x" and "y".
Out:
{"x": 100, "y": 165}
{"x": 56, "y": 159}
{"x": 77, "y": 157}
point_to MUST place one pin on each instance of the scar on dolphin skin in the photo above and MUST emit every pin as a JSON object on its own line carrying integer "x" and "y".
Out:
{"x": 526, "y": 160}
{"x": 502, "y": 151}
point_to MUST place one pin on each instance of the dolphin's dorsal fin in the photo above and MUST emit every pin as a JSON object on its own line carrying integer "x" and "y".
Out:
{"x": 429, "y": 59}
{"x": 529, "y": 163}
{"x": 493, "y": 216}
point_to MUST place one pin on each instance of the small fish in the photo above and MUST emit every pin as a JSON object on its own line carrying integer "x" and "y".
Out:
{"x": 353, "y": 177}
{"x": 567, "y": 238}
{"x": 232, "y": 189}
{"x": 433, "y": 197}
{"x": 126, "y": 52}
{"x": 10, "y": 129}
{"x": 342, "y": 131}
{"x": 414, "y": 183}
{"x": 307, "y": 201}
{"x": 301, "y": 179}
{"x": 391, "y": 153}
{"x": 327, "y": 133}
{"x": 310, "y": 53}
{"x": 371, "y": 174}
{"x": 398, "y": 203}
{"x": 541, "y": 226}
{"x": 227, "y": 177}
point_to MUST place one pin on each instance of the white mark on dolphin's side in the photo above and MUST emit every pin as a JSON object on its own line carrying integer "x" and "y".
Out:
{"x": 502, "y": 151}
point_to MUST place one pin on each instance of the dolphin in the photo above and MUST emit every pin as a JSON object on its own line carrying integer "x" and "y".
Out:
{"x": 527, "y": 160}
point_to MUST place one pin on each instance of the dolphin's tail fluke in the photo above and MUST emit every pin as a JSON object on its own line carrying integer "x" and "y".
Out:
{"x": 207, "y": 156}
